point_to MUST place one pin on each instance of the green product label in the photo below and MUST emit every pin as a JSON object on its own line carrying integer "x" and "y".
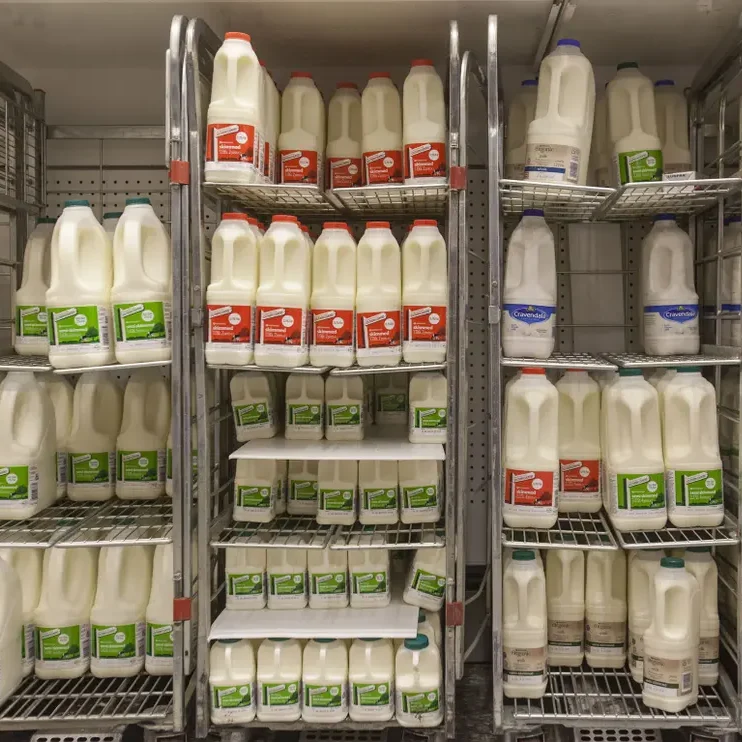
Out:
{"x": 245, "y": 584}
{"x": 140, "y": 466}
{"x": 304, "y": 414}
{"x": 19, "y": 483}
{"x": 640, "y": 491}
{"x": 249, "y": 496}
{"x": 323, "y": 696}
{"x": 428, "y": 583}
{"x": 370, "y": 694}
{"x": 420, "y": 497}
{"x": 280, "y": 694}
{"x": 333, "y": 499}
{"x": 92, "y": 468}
{"x": 391, "y": 403}
{"x": 159, "y": 640}
{"x": 231, "y": 696}
{"x": 61, "y": 644}
{"x": 87, "y": 325}
{"x": 30, "y": 322}
{"x": 169, "y": 463}
{"x": 365, "y": 583}
{"x": 429, "y": 418}
{"x": 343, "y": 414}
{"x": 290, "y": 584}
{"x": 302, "y": 489}
{"x": 249, "y": 415}
{"x": 329, "y": 583}
{"x": 420, "y": 703}
{"x": 379, "y": 499}
{"x": 117, "y": 642}
{"x": 142, "y": 321}
{"x": 694, "y": 488}
{"x": 639, "y": 166}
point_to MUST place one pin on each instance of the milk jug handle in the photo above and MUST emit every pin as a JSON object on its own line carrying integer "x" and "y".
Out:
{"x": 68, "y": 242}
{"x": 85, "y": 402}
{"x": 9, "y": 400}
{"x": 132, "y": 242}
{"x": 636, "y": 122}
{"x": 35, "y": 263}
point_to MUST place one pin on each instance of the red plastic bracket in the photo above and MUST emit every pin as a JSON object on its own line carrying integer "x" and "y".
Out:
{"x": 182, "y": 609}
{"x": 457, "y": 178}
{"x": 180, "y": 172}
{"x": 454, "y": 614}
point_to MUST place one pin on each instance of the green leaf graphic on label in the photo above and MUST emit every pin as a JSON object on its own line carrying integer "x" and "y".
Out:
{"x": 17, "y": 483}
{"x": 329, "y": 583}
{"x": 333, "y": 499}
{"x": 428, "y": 583}
{"x": 323, "y": 696}
{"x": 391, "y": 403}
{"x": 365, "y": 583}
{"x": 343, "y": 414}
{"x": 379, "y": 499}
{"x": 370, "y": 694}
{"x": 250, "y": 496}
{"x": 30, "y": 321}
{"x": 420, "y": 497}
{"x": 430, "y": 418}
{"x": 159, "y": 640}
{"x": 117, "y": 642}
{"x": 302, "y": 490}
{"x": 59, "y": 644}
{"x": 139, "y": 466}
{"x": 290, "y": 584}
{"x": 250, "y": 583}
{"x": 639, "y": 166}
{"x": 246, "y": 415}
{"x": 138, "y": 321}
{"x": 78, "y": 325}
{"x": 280, "y": 694}
{"x": 640, "y": 491}
{"x": 231, "y": 696}
{"x": 91, "y": 468}
{"x": 420, "y": 703}
{"x": 304, "y": 414}
{"x": 695, "y": 488}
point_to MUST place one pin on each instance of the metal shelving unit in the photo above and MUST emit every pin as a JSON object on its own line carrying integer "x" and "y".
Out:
{"x": 559, "y": 201}
{"x": 264, "y": 199}
{"x": 393, "y": 201}
{"x": 116, "y": 367}
{"x": 285, "y": 532}
{"x": 396, "y": 536}
{"x": 35, "y": 364}
{"x": 399, "y": 368}
{"x": 711, "y": 356}
{"x": 672, "y": 537}
{"x": 584, "y": 361}
{"x": 313, "y": 370}
{"x": 572, "y": 531}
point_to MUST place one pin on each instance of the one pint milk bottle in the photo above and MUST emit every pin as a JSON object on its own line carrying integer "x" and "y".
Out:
{"x": 283, "y": 295}
{"x": 158, "y": 659}
{"x": 529, "y": 301}
{"x": 426, "y": 579}
{"x": 378, "y": 492}
{"x": 244, "y": 574}
{"x": 302, "y": 487}
{"x": 301, "y": 144}
{"x": 60, "y": 392}
{"x": 235, "y": 116}
{"x": 337, "y": 492}
{"x": 28, "y": 480}
{"x": 257, "y": 484}
{"x": 520, "y": 114}
{"x": 305, "y": 407}
{"x": 565, "y": 606}
{"x": 11, "y": 627}
{"x": 142, "y": 441}
{"x": 325, "y": 681}
{"x": 671, "y": 641}
{"x": 700, "y": 563}
{"x": 643, "y": 565}
{"x": 637, "y": 150}
{"x": 78, "y": 301}
{"x": 420, "y": 491}
{"x": 344, "y": 413}
{"x": 97, "y": 406}
{"x": 524, "y": 625}
{"x": 605, "y": 609}
{"x": 669, "y": 297}
{"x": 254, "y": 405}
{"x": 428, "y": 407}
{"x": 232, "y": 681}
{"x": 29, "y": 331}
{"x": 379, "y": 297}
{"x": 633, "y": 454}
{"x": 117, "y": 618}
{"x": 693, "y": 473}
{"x": 369, "y": 577}
{"x": 672, "y": 126}
{"x": 558, "y": 143}
{"x": 371, "y": 680}
{"x": 230, "y": 297}
{"x": 424, "y": 293}
{"x": 381, "y": 109}
{"x": 579, "y": 443}
{"x": 418, "y": 676}
{"x": 62, "y": 617}
{"x": 287, "y": 578}
{"x": 424, "y": 125}
{"x": 344, "y": 134}
{"x": 333, "y": 299}
{"x": 530, "y": 451}
{"x": 279, "y": 680}
{"x": 328, "y": 578}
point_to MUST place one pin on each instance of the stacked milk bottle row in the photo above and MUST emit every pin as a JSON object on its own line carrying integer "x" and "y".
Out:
{"x": 280, "y": 301}
{"x": 325, "y": 683}
{"x": 78, "y": 278}
{"x": 339, "y": 491}
{"x": 105, "y": 610}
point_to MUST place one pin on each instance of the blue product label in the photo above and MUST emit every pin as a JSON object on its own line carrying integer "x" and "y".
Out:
{"x": 731, "y": 307}
{"x": 674, "y": 312}
{"x": 531, "y": 314}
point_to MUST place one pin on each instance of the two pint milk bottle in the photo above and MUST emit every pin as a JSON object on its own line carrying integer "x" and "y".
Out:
{"x": 605, "y": 609}
{"x": 254, "y": 405}
{"x": 371, "y": 680}
{"x": 337, "y": 492}
{"x": 344, "y": 134}
{"x": 426, "y": 579}
{"x": 381, "y": 110}
{"x": 60, "y": 392}
{"x": 418, "y": 678}
{"x": 305, "y": 407}
{"x": 420, "y": 491}
{"x": 11, "y": 627}
{"x": 565, "y": 606}
{"x": 520, "y": 114}
{"x": 232, "y": 681}
{"x": 287, "y": 578}
{"x": 643, "y": 566}
{"x": 700, "y": 563}
{"x": 158, "y": 646}
{"x": 672, "y": 126}
{"x": 378, "y": 492}
{"x": 328, "y": 578}
{"x": 244, "y": 575}
{"x": 325, "y": 681}
{"x": 257, "y": 485}
{"x": 344, "y": 409}
{"x": 391, "y": 397}
{"x": 428, "y": 407}
{"x": 369, "y": 577}
{"x": 279, "y": 680}
{"x": 302, "y": 487}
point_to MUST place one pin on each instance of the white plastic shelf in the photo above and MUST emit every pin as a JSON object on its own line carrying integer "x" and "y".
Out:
{"x": 412, "y": 201}
{"x": 561, "y": 202}
{"x": 586, "y": 361}
{"x": 264, "y": 199}
{"x": 36, "y": 364}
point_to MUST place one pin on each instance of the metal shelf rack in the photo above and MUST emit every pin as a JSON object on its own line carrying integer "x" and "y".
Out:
{"x": 584, "y": 361}
{"x": 285, "y": 532}
{"x": 711, "y": 356}
{"x": 265, "y": 199}
{"x": 558, "y": 201}
{"x": 399, "y": 368}
{"x": 313, "y": 370}
{"x": 672, "y": 537}
{"x": 111, "y": 367}
{"x": 572, "y": 531}
{"x": 35, "y": 364}
{"x": 393, "y": 201}
{"x": 396, "y": 536}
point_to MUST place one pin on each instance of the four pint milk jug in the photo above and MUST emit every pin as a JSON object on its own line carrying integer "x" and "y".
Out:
{"x": 418, "y": 683}
{"x": 602, "y": 150}
{"x": 381, "y": 109}
{"x": 232, "y": 681}
{"x": 279, "y": 680}
{"x": 344, "y": 134}
{"x": 672, "y": 126}
{"x": 605, "y": 609}
{"x": 328, "y": 578}
{"x": 158, "y": 658}
{"x": 420, "y": 491}
{"x": 305, "y": 407}
{"x": 643, "y": 566}
{"x": 378, "y": 492}
{"x": 426, "y": 579}
{"x": 700, "y": 563}
{"x": 271, "y": 125}
{"x": 565, "y": 606}
{"x": 244, "y": 574}
{"x": 337, "y": 492}
{"x": 521, "y": 112}
{"x": 369, "y": 576}
{"x": 257, "y": 488}
{"x": 60, "y": 392}
{"x": 11, "y": 628}
{"x": 302, "y": 487}
{"x": 287, "y": 578}
{"x": 325, "y": 681}
{"x": 428, "y": 407}
{"x": 254, "y": 405}
{"x": 344, "y": 413}
{"x": 371, "y": 680}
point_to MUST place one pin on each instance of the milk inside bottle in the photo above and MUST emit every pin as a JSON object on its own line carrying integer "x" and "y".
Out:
{"x": 279, "y": 680}
{"x": 337, "y": 490}
{"x": 287, "y": 578}
{"x": 11, "y": 627}
{"x": 305, "y": 407}
{"x": 418, "y": 684}
{"x": 605, "y": 609}
{"x": 253, "y": 406}
{"x": 428, "y": 407}
{"x": 700, "y": 563}
{"x": 328, "y": 578}
{"x": 62, "y": 617}
{"x": 369, "y": 578}
{"x": 302, "y": 487}
{"x": 244, "y": 573}
{"x": 30, "y": 328}
{"x": 381, "y": 110}
{"x": 325, "y": 681}
{"x": 426, "y": 579}
{"x": 257, "y": 485}
{"x": 371, "y": 680}
{"x": 391, "y": 395}
{"x": 521, "y": 112}
{"x": 344, "y": 413}
{"x": 158, "y": 658}
{"x": 60, "y": 392}
{"x": 420, "y": 491}
{"x": 672, "y": 126}
{"x": 378, "y": 492}
{"x": 643, "y": 566}
{"x": 344, "y": 134}
{"x": 232, "y": 681}
{"x": 565, "y": 606}
{"x": 79, "y": 296}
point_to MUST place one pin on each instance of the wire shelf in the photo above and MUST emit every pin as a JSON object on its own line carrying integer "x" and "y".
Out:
{"x": 87, "y": 700}
{"x": 559, "y": 201}
{"x": 711, "y": 356}
{"x": 127, "y": 522}
{"x": 393, "y": 536}
{"x": 264, "y": 199}
{"x": 671, "y": 536}
{"x": 398, "y": 369}
{"x": 285, "y": 532}
{"x": 36, "y": 364}
{"x": 111, "y": 367}
{"x": 586, "y": 361}
{"x": 271, "y": 369}
{"x": 614, "y": 735}
{"x": 370, "y": 731}
{"x": 412, "y": 201}
{"x": 603, "y": 697}
{"x": 572, "y": 531}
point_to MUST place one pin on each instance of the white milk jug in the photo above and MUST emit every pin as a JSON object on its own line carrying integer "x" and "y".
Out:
{"x": 672, "y": 127}
{"x": 731, "y": 289}
{"x": 235, "y": 116}
{"x": 643, "y": 566}
{"x": 700, "y": 563}
{"x": 158, "y": 658}
{"x": 424, "y": 125}
{"x": 378, "y": 492}
{"x": 305, "y": 407}
{"x": 328, "y": 578}
{"x": 27, "y": 564}
{"x": 60, "y": 392}
{"x": 62, "y": 617}
{"x": 433, "y": 619}
{"x": 369, "y": 578}
{"x": 271, "y": 126}
{"x": 579, "y": 443}
{"x": 254, "y": 405}
{"x": 279, "y": 680}
{"x": 728, "y": 429}
{"x": 344, "y": 413}
{"x": 668, "y": 293}
{"x": 30, "y": 329}
{"x": 141, "y": 297}
{"x": 325, "y": 681}
{"x": 333, "y": 299}
{"x": 529, "y": 297}
{"x": 142, "y": 442}
{"x": 230, "y": 297}
{"x": 381, "y": 109}
{"x": 428, "y": 407}
{"x": 671, "y": 641}
{"x": 97, "y": 407}
{"x": 530, "y": 451}
{"x": 521, "y": 112}
{"x": 693, "y": 469}
{"x": 344, "y": 134}
{"x": 420, "y": 491}
{"x": 11, "y": 627}
{"x": 418, "y": 676}
{"x": 565, "y": 606}
{"x": 232, "y": 681}
{"x": 109, "y": 222}
{"x": 28, "y": 480}
{"x": 301, "y": 144}
{"x": 302, "y": 487}
{"x": 637, "y": 150}
{"x": 524, "y": 625}
{"x": 602, "y": 151}
{"x": 117, "y": 618}
{"x": 371, "y": 680}
{"x": 257, "y": 488}
{"x": 391, "y": 396}
{"x": 605, "y": 609}
{"x": 633, "y": 454}
{"x": 558, "y": 143}
{"x": 78, "y": 301}
{"x": 424, "y": 293}
{"x": 287, "y": 578}
{"x": 337, "y": 492}
{"x": 244, "y": 573}
{"x": 379, "y": 297}
{"x": 426, "y": 579}
{"x": 283, "y": 295}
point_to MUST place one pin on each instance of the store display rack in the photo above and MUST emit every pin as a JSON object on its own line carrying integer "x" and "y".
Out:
{"x": 582, "y": 361}
{"x": 40, "y": 364}
{"x": 353, "y": 370}
{"x": 711, "y": 355}
{"x": 572, "y": 531}
{"x": 673, "y": 537}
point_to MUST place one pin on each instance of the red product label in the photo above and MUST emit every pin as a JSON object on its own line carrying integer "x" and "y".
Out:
{"x": 266, "y": 159}
{"x": 332, "y": 327}
{"x": 281, "y": 326}
{"x": 383, "y": 166}
{"x": 345, "y": 172}
{"x": 231, "y": 143}
{"x": 378, "y": 329}
{"x": 523, "y": 487}
{"x": 229, "y": 323}
{"x": 579, "y": 475}
{"x": 425, "y": 160}
{"x": 298, "y": 166}
{"x": 424, "y": 323}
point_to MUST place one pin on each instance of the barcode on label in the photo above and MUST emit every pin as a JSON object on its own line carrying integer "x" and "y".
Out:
{"x": 686, "y": 682}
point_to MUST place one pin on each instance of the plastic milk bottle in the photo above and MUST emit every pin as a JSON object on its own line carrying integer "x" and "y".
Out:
{"x": 11, "y": 626}
{"x": 428, "y": 407}
{"x": 565, "y": 606}
{"x": 257, "y": 484}
{"x": 287, "y": 578}
{"x": 344, "y": 133}
{"x": 232, "y": 681}
{"x": 605, "y": 609}
{"x": 419, "y": 684}
{"x": 643, "y": 566}
{"x": 382, "y": 131}
{"x": 371, "y": 680}
{"x": 253, "y": 405}
{"x": 391, "y": 395}
{"x": 700, "y": 563}
{"x": 60, "y": 392}
{"x": 369, "y": 577}
{"x": 420, "y": 491}
{"x": 337, "y": 490}
{"x": 325, "y": 681}
{"x": 305, "y": 407}
{"x": 672, "y": 126}
{"x": 159, "y": 646}
{"x": 426, "y": 579}
{"x": 279, "y": 680}
{"x": 521, "y": 112}
{"x": 378, "y": 492}
{"x": 344, "y": 414}
{"x": 302, "y": 487}
{"x": 328, "y": 578}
